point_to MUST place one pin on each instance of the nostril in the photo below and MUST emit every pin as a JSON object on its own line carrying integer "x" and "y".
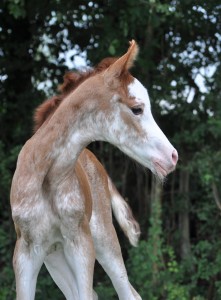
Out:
{"x": 174, "y": 157}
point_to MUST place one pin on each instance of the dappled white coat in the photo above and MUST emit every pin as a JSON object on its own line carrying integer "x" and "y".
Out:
{"x": 50, "y": 205}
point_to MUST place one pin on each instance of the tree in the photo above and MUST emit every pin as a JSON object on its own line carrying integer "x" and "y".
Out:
{"x": 179, "y": 41}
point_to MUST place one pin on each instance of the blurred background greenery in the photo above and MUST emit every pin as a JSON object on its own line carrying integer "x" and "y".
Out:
{"x": 179, "y": 254}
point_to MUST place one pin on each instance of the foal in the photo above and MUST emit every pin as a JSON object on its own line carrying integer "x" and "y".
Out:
{"x": 104, "y": 195}
{"x": 51, "y": 207}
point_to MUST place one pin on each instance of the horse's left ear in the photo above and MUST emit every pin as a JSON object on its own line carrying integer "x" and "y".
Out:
{"x": 124, "y": 63}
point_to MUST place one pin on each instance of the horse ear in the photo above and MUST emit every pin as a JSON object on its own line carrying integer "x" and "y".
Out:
{"x": 122, "y": 64}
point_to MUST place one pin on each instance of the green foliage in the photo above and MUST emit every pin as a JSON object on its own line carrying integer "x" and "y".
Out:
{"x": 17, "y": 8}
{"x": 157, "y": 272}
{"x": 166, "y": 283}
{"x": 7, "y": 163}
{"x": 175, "y": 280}
{"x": 153, "y": 266}
{"x": 105, "y": 292}
{"x": 179, "y": 40}
{"x": 46, "y": 288}
{"x": 7, "y": 290}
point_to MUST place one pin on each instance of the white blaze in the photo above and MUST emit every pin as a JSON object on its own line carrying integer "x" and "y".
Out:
{"x": 156, "y": 151}
{"x": 137, "y": 90}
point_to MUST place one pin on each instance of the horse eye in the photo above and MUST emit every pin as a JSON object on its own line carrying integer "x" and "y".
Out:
{"x": 137, "y": 110}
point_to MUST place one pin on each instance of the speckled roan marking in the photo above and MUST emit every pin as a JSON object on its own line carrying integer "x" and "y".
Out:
{"x": 104, "y": 196}
{"x": 52, "y": 205}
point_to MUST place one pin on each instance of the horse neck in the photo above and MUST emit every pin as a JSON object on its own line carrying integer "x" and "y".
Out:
{"x": 72, "y": 127}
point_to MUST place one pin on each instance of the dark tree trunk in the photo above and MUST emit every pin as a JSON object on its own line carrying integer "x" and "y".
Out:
{"x": 156, "y": 226}
{"x": 184, "y": 229}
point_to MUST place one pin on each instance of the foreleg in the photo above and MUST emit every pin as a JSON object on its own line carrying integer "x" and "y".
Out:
{"x": 80, "y": 256}
{"x": 62, "y": 274}
{"x": 108, "y": 254}
{"x": 27, "y": 261}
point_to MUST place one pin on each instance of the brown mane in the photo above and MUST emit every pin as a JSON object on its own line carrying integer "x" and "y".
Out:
{"x": 71, "y": 81}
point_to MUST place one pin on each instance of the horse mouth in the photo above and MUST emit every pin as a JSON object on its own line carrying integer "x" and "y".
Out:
{"x": 160, "y": 170}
